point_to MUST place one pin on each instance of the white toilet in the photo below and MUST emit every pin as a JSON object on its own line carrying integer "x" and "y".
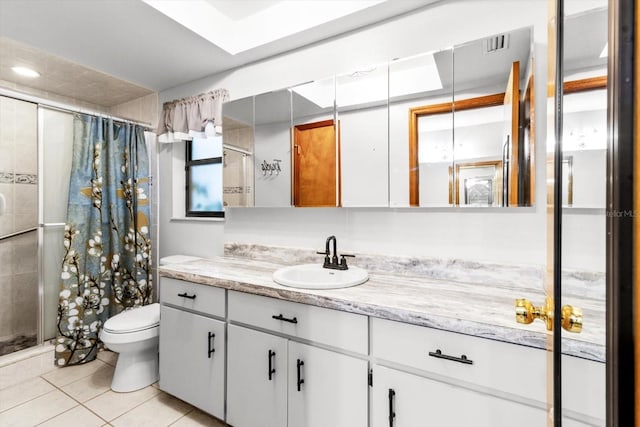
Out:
{"x": 134, "y": 335}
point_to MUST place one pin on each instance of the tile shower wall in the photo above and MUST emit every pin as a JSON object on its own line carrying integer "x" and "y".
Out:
{"x": 18, "y": 255}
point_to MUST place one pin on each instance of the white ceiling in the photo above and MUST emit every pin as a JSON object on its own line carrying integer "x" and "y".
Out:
{"x": 132, "y": 41}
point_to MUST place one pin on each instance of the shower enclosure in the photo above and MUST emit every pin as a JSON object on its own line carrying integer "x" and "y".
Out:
{"x": 35, "y": 162}
{"x": 18, "y": 225}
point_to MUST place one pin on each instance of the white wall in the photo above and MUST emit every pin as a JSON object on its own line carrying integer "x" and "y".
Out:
{"x": 364, "y": 157}
{"x": 499, "y": 235}
{"x": 589, "y": 178}
{"x": 273, "y": 142}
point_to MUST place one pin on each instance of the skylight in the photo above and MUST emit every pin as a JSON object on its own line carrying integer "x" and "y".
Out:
{"x": 248, "y": 24}
{"x": 369, "y": 85}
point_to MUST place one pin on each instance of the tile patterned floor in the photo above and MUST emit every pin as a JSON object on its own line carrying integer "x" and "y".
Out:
{"x": 33, "y": 392}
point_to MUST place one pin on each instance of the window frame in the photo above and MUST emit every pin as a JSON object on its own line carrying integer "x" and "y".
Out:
{"x": 187, "y": 167}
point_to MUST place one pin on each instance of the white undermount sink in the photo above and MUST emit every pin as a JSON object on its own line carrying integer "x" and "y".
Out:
{"x": 314, "y": 276}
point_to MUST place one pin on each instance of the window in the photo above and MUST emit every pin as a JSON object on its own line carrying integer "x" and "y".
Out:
{"x": 203, "y": 179}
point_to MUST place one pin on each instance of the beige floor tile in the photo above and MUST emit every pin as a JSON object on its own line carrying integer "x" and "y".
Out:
{"x": 37, "y": 410}
{"x": 197, "y": 418}
{"x": 18, "y": 356}
{"x": 108, "y": 357}
{"x": 162, "y": 410}
{"x": 92, "y": 385}
{"x": 111, "y": 405}
{"x": 68, "y": 374}
{"x": 26, "y": 369}
{"x": 76, "y": 417}
{"x": 23, "y": 392}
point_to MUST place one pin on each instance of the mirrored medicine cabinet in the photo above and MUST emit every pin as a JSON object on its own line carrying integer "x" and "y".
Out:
{"x": 584, "y": 117}
{"x": 449, "y": 128}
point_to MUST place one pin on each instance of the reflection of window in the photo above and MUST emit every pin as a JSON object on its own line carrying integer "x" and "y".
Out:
{"x": 478, "y": 191}
{"x": 204, "y": 177}
{"x": 479, "y": 183}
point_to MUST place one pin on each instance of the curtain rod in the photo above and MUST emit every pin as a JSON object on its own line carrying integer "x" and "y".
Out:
{"x": 53, "y": 105}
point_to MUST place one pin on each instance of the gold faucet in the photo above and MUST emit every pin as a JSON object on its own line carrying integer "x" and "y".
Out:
{"x": 526, "y": 313}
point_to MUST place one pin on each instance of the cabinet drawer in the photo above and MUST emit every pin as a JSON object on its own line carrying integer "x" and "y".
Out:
{"x": 507, "y": 367}
{"x": 205, "y": 299}
{"x": 331, "y": 327}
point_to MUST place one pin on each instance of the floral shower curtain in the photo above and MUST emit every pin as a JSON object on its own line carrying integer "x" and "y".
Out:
{"x": 107, "y": 263}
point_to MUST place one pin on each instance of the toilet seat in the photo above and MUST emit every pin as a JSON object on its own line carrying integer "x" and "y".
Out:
{"x": 134, "y": 320}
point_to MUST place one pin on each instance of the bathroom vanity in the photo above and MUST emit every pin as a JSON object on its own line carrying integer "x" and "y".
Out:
{"x": 398, "y": 351}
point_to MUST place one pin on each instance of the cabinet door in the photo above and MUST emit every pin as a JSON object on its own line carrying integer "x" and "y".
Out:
{"x": 256, "y": 379}
{"x": 326, "y": 388}
{"x": 192, "y": 350}
{"x": 406, "y": 400}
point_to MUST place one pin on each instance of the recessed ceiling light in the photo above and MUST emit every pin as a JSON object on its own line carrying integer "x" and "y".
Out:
{"x": 26, "y": 72}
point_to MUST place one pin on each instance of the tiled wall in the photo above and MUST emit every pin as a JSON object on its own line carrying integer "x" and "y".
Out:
{"x": 18, "y": 185}
{"x": 52, "y": 96}
{"x": 145, "y": 109}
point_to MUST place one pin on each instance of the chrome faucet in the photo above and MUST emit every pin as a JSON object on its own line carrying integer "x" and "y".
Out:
{"x": 331, "y": 261}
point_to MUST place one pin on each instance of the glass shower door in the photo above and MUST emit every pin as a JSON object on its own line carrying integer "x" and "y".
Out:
{"x": 18, "y": 220}
{"x": 56, "y": 139}
{"x": 584, "y": 198}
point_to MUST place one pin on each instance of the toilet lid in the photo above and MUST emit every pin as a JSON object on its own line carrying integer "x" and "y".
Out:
{"x": 136, "y": 319}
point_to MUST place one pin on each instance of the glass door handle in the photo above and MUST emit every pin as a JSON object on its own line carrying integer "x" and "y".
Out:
{"x": 526, "y": 313}
{"x": 572, "y": 318}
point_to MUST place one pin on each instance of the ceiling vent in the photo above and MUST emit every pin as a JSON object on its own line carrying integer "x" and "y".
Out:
{"x": 496, "y": 43}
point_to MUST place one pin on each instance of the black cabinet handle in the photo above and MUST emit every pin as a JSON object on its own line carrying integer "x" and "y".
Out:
{"x": 185, "y": 295}
{"x": 210, "y": 344}
{"x": 284, "y": 319}
{"x": 392, "y": 414}
{"x": 300, "y": 380}
{"x": 272, "y": 370}
{"x": 461, "y": 359}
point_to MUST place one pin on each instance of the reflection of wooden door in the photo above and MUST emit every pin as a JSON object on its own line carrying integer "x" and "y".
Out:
{"x": 315, "y": 170}
{"x": 512, "y": 123}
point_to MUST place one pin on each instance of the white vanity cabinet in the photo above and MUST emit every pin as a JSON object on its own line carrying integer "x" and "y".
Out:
{"x": 277, "y": 363}
{"x": 192, "y": 344}
{"x": 326, "y": 388}
{"x": 309, "y": 386}
{"x": 256, "y": 378}
{"x": 425, "y": 376}
{"x": 584, "y": 395}
{"x": 401, "y": 399}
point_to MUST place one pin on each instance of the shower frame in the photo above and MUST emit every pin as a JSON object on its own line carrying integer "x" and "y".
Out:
{"x": 43, "y": 103}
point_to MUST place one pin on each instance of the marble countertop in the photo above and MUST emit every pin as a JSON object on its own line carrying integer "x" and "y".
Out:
{"x": 472, "y": 309}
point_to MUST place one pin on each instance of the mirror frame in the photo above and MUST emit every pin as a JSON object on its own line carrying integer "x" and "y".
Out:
{"x": 443, "y": 108}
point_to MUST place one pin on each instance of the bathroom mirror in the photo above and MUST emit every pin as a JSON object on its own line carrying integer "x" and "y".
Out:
{"x": 475, "y": 148}
{"x": 315, "y": 156}
{"x": 492, "y": 157}
{"x": 272, "y": 149}
{"x": 584, "y": 139}
{"x": 237, "y": 154}
{"x": 362, "y": 112}
{"x": 420, "y": 110}
{"x": 448, "y": 128}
